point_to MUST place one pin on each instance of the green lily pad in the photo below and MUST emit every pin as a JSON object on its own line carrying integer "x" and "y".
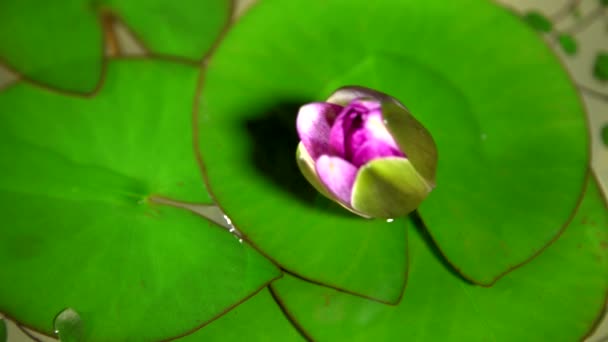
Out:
{"x": 556, "y": 297}
{"x": 604, "y": 135}
{"x": 81, "y": 227}
{"x": 60, "y": 44}
{"x": 259, "y": 319}
{"x": 509, "y": 127}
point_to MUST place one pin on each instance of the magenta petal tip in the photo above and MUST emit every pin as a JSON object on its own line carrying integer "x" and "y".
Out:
{"x": 313, "y": 124}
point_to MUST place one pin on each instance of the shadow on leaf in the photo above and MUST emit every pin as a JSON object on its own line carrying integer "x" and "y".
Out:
{"x": 274, "y": 140}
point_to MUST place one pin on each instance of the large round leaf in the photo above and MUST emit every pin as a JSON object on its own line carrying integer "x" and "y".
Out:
{"x": 508, "y": 124}
{"x": 60, "y": 43}
{"x": 555, "y": 297}
{"x": 259, "y": 319}
{"x": 81, "y": 228}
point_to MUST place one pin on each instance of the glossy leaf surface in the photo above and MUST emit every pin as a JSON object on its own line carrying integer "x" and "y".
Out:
{"x": 60, "y": 43}
{"x": 490, "y": 111}
{"x": 259, "y": 319}
{"x": 556, "y": 297}
{"x": 82, "y": 229}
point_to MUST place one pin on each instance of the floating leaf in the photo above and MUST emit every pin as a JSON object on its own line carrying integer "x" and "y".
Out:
{"x": 502, "y": 193}
{"x": 60, "y": 43}
{"x": 259, "y": 319}
{"x": 600, "y": 68}
{"x": 82, "y": 228}
{"x": 604, "y": 135}
{"x": 603, "y": 2}
{"x": 568, "y": 43}
{"x": 68, "y": 326}
{"x": 556, "y": 297}
{"x": 538, "y": 21}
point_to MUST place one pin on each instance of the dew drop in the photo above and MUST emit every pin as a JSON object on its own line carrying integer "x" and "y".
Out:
{"x": 232, "y": 229}
{"x": 228, "y": 221}
{"x": 390, "y": 220}
{"x": 68, "y": 326}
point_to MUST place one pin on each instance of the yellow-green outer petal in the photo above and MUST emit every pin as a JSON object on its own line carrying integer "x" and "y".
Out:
{"x": 413, "y": 139}
{"x": 388, "y": 187}
{"x": 307, "y": 167}
{"x": 344, "y": 95}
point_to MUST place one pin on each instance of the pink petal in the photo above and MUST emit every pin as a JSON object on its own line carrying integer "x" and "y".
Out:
{"x": 348, "y": 132}
{"x": 348, "y": 121}
{"x": 376, "y": 129}
{"x": 314, "y": 124}
{"x": 373, "y": 149}
{"x": 338, "y": 176}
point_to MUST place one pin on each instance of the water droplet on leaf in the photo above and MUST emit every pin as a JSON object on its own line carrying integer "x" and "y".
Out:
{"x": 68, "y": 326}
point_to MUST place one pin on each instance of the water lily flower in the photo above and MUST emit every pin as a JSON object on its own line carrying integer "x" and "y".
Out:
{"x": 364, "y": 150}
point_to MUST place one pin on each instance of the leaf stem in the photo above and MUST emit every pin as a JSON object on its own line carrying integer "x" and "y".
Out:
{"x": 593, "y": 92}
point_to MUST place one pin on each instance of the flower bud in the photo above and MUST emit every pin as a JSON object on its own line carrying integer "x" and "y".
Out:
{"x": 364, "y": 150}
